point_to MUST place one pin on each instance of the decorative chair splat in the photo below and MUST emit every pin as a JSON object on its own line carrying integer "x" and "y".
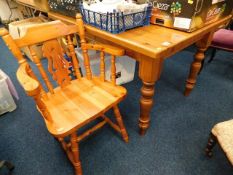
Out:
{"x": 53, "y": 51}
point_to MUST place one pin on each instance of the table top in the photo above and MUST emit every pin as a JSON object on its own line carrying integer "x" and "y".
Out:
{"x": 153, "y": 40}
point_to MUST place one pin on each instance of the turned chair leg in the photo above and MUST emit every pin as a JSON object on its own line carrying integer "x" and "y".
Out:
{"x": 212, "y": 55}
{"x": 75, "y": 153}
{"x": 8, "y": 165}
{"x": 211, "y": 143}
{"x": 120, "y": 123}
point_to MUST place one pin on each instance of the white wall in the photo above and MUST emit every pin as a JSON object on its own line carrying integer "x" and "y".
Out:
{"x": 5, "y": 11}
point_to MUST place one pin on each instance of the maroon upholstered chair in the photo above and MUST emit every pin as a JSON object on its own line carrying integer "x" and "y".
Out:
{"x": 223, "y": 39}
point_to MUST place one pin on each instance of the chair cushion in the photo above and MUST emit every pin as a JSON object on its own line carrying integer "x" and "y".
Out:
{"x": 224, "y": 133}
{"x": 223, "y": 38}
{"x": 80, "y": 102}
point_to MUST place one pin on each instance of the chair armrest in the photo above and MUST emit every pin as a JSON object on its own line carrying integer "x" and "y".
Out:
{"x": 116, "y": 51}
{"x": 30, "y": 85}
{"x": 3, "y": 31}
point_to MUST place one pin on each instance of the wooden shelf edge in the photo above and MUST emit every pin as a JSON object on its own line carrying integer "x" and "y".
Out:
{"x": 57, "y": 16}
{"x": 31, "y": 6}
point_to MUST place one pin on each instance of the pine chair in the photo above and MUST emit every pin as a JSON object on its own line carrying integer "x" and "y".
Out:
{"x": 74, "y": 102}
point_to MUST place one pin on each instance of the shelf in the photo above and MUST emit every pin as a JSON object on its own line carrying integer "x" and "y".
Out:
{"x": 44, "y": 9}
{"x": 57, "y": 16}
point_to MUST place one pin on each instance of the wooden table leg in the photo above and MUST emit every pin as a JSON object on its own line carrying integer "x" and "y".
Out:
{"x": 149, "y": 72}
{"x": 202, "y": 46}
{"x": 146, "y": 103}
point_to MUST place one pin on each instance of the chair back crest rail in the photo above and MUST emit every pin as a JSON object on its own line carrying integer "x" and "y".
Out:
{"x": 48, "y": 35}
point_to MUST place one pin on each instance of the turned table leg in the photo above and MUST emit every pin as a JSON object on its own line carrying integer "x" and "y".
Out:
{"x": 146, "y": 103}
{"x": 202, "y": 46}
{"x": 194, "y": 70}
{"x": 149, "y": 72}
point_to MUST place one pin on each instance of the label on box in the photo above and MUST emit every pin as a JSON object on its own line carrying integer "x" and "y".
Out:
{"x": 166, "y": 43}
{"x": 190, "y": 1}
{"x": 217, "y": 1}
{"x": 183, "y": 23}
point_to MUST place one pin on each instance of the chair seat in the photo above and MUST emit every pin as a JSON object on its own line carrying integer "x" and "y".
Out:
{"x": 223, "y": 39}
{"x": 224, "y": 133}
{"x": 79, "y": 103}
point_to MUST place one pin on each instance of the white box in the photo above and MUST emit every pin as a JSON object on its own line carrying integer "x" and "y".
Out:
{"x": 18, "y": 29}
{"x": 125, "y": 66}
{"x": 7, "y": 103}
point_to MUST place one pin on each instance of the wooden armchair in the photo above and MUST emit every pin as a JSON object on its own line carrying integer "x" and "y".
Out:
{"x": 73, "y": 103}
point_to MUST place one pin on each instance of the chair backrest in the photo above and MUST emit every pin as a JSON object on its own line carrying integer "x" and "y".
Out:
{"x": 48, "y": 35}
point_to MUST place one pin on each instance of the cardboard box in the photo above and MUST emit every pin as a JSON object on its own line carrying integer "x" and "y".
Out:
{"x": 189, "y": 15}
{"x": 17, "y": 30}
{"x": 28, "y": 2}
{"x": 41, "y": 5}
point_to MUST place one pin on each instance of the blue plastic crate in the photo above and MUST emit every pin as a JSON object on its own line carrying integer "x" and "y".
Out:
{"x": 116, "y": 22}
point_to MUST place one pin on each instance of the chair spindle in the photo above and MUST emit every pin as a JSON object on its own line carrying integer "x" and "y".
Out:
{"x": 41, "y": 69}
{"x": 113, "y": 70}
{"x": 12, "y": 46}
{"x": 74, "y": 57}
{"x": 102, "y": 66}
{"x": 87, "y": 63}
{"x": 83, "y": 45}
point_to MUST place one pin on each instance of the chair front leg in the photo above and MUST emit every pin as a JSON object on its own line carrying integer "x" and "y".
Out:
{"x": 211, "y": 143}
{"x": 120, "y": 123}
{"x": 212, "y": 55}
{"x": 75, "y": 153}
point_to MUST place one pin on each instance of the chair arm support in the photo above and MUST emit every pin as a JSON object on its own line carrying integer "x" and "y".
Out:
{"x": 116, "y": 51}
{"x": 30, "y": 85}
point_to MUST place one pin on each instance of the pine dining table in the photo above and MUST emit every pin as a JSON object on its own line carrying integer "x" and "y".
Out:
{"x": 150, "y": 46}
